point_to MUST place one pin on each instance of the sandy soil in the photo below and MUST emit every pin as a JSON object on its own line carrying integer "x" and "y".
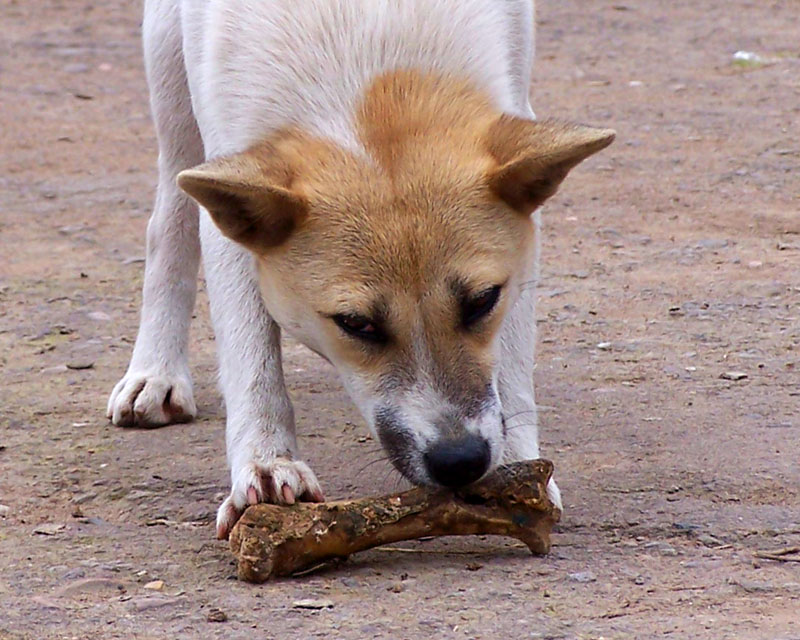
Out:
{"x": 670, "y": 259}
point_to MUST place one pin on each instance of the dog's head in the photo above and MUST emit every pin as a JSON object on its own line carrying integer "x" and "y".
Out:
{"x": 398, "y": 260}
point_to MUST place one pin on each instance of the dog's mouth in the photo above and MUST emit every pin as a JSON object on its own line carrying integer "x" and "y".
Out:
{"x": 451, "y": 460}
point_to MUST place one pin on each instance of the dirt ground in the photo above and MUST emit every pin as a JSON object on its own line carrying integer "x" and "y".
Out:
{"x": 671, "y": 259}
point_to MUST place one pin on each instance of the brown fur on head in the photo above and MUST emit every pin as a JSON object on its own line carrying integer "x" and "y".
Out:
{"x": 388, "y": 262}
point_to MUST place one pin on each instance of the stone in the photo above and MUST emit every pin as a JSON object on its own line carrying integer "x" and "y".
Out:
{"x": 310, "y": 603}
{"x": 582, "y": 577}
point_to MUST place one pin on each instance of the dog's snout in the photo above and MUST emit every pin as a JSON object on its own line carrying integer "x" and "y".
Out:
{"x": 459, "y": 461}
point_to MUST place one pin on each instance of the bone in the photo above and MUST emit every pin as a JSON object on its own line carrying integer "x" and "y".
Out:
{"x": 271, "y": 541}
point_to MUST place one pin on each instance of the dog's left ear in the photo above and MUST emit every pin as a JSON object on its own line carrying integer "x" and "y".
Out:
{"x": 536, "y": 155}
{"x": 248, "y": 196}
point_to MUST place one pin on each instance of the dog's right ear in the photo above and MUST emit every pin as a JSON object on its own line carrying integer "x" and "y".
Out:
{"x": 534, "y": 157}
{"x": 246, "y": 198}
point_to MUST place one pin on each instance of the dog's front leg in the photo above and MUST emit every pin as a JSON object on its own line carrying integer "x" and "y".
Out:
{"x": 157, "y": 387}
{"x": 515, "y": 380}
{"x": 260, "y": 432}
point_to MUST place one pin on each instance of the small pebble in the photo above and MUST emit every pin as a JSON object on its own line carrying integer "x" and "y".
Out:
{"x": 712, "y": 243}
{"x": 49, "y": 529}
{"x": 312, "y": 604}
{"x": 146, "y": 603}
{"x": 4, "y": 510}
{"x": 733, "y": 375}
{"x": 60, "y": 368}
{"x": 709, "y": 541}
{"x": 751, "y": 586}
{"x": 582, "y": 576}
{"x": 155, "y": 585}
{"x": 80, "y": 364}
{"x": 216, "y": 615}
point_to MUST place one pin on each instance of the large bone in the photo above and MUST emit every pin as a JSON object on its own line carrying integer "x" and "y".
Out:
{"x": 271, "y": 541}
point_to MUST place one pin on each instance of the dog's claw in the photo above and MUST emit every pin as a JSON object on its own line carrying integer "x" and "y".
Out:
{"x": 554, "y": 493}
{"x": 252, "y": 496}
{"x": 281, "y": 481}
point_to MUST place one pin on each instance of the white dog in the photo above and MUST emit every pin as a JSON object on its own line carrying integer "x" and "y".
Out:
{"x": 372, "y": 174}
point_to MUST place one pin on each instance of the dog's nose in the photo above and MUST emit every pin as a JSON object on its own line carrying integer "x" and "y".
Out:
{"x": 458, "y": 462}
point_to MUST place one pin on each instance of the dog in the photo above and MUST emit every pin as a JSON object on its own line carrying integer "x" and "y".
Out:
{"x": 368, "y": 175}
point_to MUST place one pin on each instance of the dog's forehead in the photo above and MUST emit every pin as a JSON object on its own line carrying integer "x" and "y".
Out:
{"x": 402, "y": 245}
{"x": 362, "y": 222}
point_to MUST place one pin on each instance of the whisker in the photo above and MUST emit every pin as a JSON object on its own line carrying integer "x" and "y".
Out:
{"x": 398, "y": 482}
{"x": 517, "y": 426}
{"x": 372, "y": 452}
{"x": 386, "y": 477}
{"x": 370, "y": 463}
{"x": 518, "y": 413}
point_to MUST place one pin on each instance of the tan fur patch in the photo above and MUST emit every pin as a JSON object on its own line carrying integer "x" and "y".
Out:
{"x": 415, "y": 124}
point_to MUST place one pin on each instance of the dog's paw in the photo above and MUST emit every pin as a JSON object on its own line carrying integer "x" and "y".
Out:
{"x": 554, "y": 493}
{"x": 143, "y": 399}
{"x": 281, "y": 481}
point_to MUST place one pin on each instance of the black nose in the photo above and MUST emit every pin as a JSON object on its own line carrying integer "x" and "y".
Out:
{"x": 458, "y": 462}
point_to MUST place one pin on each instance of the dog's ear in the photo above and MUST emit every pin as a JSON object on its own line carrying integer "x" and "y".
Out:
{"x": 534, "y": 156}
{"x": 247, "y": 197}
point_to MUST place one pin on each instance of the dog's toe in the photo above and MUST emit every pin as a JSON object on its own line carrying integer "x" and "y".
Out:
{"x": 227, "y": 515}
{"x": 151, "y": 400}
{"x": 281, "y": 481}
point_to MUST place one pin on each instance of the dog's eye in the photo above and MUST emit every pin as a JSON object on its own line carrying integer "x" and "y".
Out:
{"x": 477, "y": 308}
{"x": 360, "y": 327}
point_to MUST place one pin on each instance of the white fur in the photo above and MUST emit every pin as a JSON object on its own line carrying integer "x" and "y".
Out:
{"x": 313, "y": 58}
{"x": 223, "y": 74}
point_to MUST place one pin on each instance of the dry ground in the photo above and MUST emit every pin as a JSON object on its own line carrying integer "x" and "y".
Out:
{"x": 671, "y": 258}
